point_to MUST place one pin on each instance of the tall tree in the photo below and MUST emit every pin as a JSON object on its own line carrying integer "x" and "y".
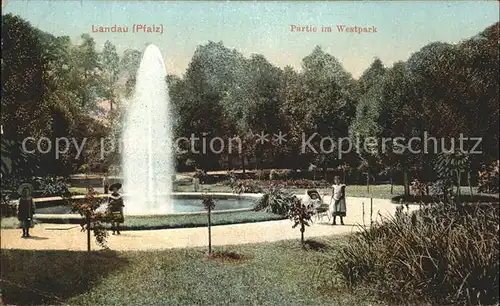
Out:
{"x": 109, "y": 61}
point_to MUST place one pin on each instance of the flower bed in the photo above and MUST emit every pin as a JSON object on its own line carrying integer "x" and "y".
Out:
{"x": 256, "y": 186}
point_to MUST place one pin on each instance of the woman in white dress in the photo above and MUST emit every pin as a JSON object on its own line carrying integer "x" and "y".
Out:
{"x": 338, "y": 204}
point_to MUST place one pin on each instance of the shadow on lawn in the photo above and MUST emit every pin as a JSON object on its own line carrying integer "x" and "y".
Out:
{"x": 50, "y": 277}
{"x": 316, "y": 245}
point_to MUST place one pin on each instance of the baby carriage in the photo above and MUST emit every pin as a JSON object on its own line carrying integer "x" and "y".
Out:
{"x": 320, "y": 208}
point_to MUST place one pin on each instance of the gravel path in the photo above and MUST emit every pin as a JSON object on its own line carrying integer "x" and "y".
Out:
{"x": 70, "y": 237}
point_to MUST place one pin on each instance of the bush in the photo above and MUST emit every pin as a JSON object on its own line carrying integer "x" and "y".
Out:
{"x": 262, "y": 174}
{"x": 441, "y": 188}
{"x": 443, "y": 254}
{"x": 489, "y": 179}
{"x": 256, "y": 186}
{"x": 283, "y": 174}
{"x": 84, "y": 168}
{"x": 301, "y": 215}
{"x": 201, "y": 175}
{"x": 276, "y": 200}
{"x": 418, "y": 188}
{"x": 191, "y": 163}
{"x": 53, "y": 186}
{"x": 272, "y": 174}
{"x": 7, "y": 208}
{"x": 246, "y": 186}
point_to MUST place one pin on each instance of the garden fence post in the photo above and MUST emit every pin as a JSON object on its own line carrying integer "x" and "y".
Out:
{"x": 209, "y": 231}
{"x": 371, "y": 211}
{"x": 363, "y": 214}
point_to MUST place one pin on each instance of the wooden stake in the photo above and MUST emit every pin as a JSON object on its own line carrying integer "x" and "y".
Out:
{"x": 364, "y": 214}
{"x": 371, "y": 211}
{"x": 88, "y": 232}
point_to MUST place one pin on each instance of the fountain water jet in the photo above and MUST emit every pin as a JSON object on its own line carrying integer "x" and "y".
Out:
{"x": 147, "y": 156}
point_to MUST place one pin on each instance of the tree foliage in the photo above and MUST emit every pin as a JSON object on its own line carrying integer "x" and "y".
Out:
{"x": 54, "y": 87}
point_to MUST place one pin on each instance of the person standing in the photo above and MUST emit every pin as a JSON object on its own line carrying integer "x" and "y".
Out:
{"x": 115, "y": 208}
{"x": 338, "y": 200}
{"x": 26, "y": 208}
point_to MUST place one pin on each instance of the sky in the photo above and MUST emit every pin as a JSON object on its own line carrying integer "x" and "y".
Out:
{"x": 264, "y": 27}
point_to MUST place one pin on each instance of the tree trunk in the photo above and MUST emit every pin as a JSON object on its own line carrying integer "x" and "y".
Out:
{"x": 229, "y": 162}
{"x": 209, "y": 231}
{"x": 406, "y": 183}
{"x": 88, "y": 232}
{"x": 458, "y": 187}
{"x": 368, "y": 180}
{"x": 469, "y": 182}
{"x": 302, "y": 229}
{"x": 243, "y": 162}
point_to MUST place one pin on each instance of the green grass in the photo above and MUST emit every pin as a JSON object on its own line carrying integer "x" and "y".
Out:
{"x": 174, "y": 221}
{"x": 78, "y": 190}
{"x": 382, "y": 191}
{"x": 266, "y": 274}
{"x": 447, "y": 254}
{"x": 376, "y": 191}
{"x": 183, "y": 221}
{"x": 9, "y": 222}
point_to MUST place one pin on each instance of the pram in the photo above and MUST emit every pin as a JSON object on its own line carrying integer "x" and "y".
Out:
{"x": 321, "y": 209}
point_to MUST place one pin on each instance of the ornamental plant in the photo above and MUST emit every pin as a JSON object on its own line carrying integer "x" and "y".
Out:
{"x": 92, "y": 220}
{"x": 301, "y": 214}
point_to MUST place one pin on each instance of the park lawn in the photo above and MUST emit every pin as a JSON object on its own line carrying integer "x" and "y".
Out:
{"x": 196, "y": 220}
{"x": 174, "y": 221}
{"x": 9, "y": 222}
{"x": 279, "y": 273}
{"x": 382, "y": 191}
{"x": 77, "y": 190}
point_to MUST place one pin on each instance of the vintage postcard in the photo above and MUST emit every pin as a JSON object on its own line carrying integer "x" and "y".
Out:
{"x": 249, "y": 152}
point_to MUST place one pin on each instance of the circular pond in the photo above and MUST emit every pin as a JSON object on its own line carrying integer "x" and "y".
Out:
{"x": 182, "y": 203}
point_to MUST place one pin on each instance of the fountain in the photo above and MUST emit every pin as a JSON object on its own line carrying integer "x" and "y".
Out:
{"x": 147, "y": 156}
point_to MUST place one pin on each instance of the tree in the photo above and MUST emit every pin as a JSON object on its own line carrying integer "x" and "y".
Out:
{"x": 24, "y": 112}
{"x": 327, "y": 100}
{"x": 88, "y": 71}
{"x": 209, "y": 204}
{"x": 371, "y": 76}
{"x": 109, "y": 61}
{"x": 92, "y": 220}
{"x": 301, "y": 215}
{"x": 450, "y": 167}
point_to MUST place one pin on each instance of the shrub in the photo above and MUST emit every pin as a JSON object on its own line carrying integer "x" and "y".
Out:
{"x": 84, "y": 168}
{"x": 489, "y": 179}
{"x": 191, "y": 163}
{"x": 246, "y": 186}
{"x": 53, "y": 186}
{"x": 282, "y": 175}
{"x": 262, "y": 174}
{"x": 257, "y": 185}
{"x": 92, "y": 220}
{"x": 272, "y": 175}
{"x": 418, "y": 188}
{"x": 301, "y": 215}
{"x": 276, "y": 199}
{"x": 442, "y": 253}
{"x": 201, "y": 175}
{"x": 7, "y": 208}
